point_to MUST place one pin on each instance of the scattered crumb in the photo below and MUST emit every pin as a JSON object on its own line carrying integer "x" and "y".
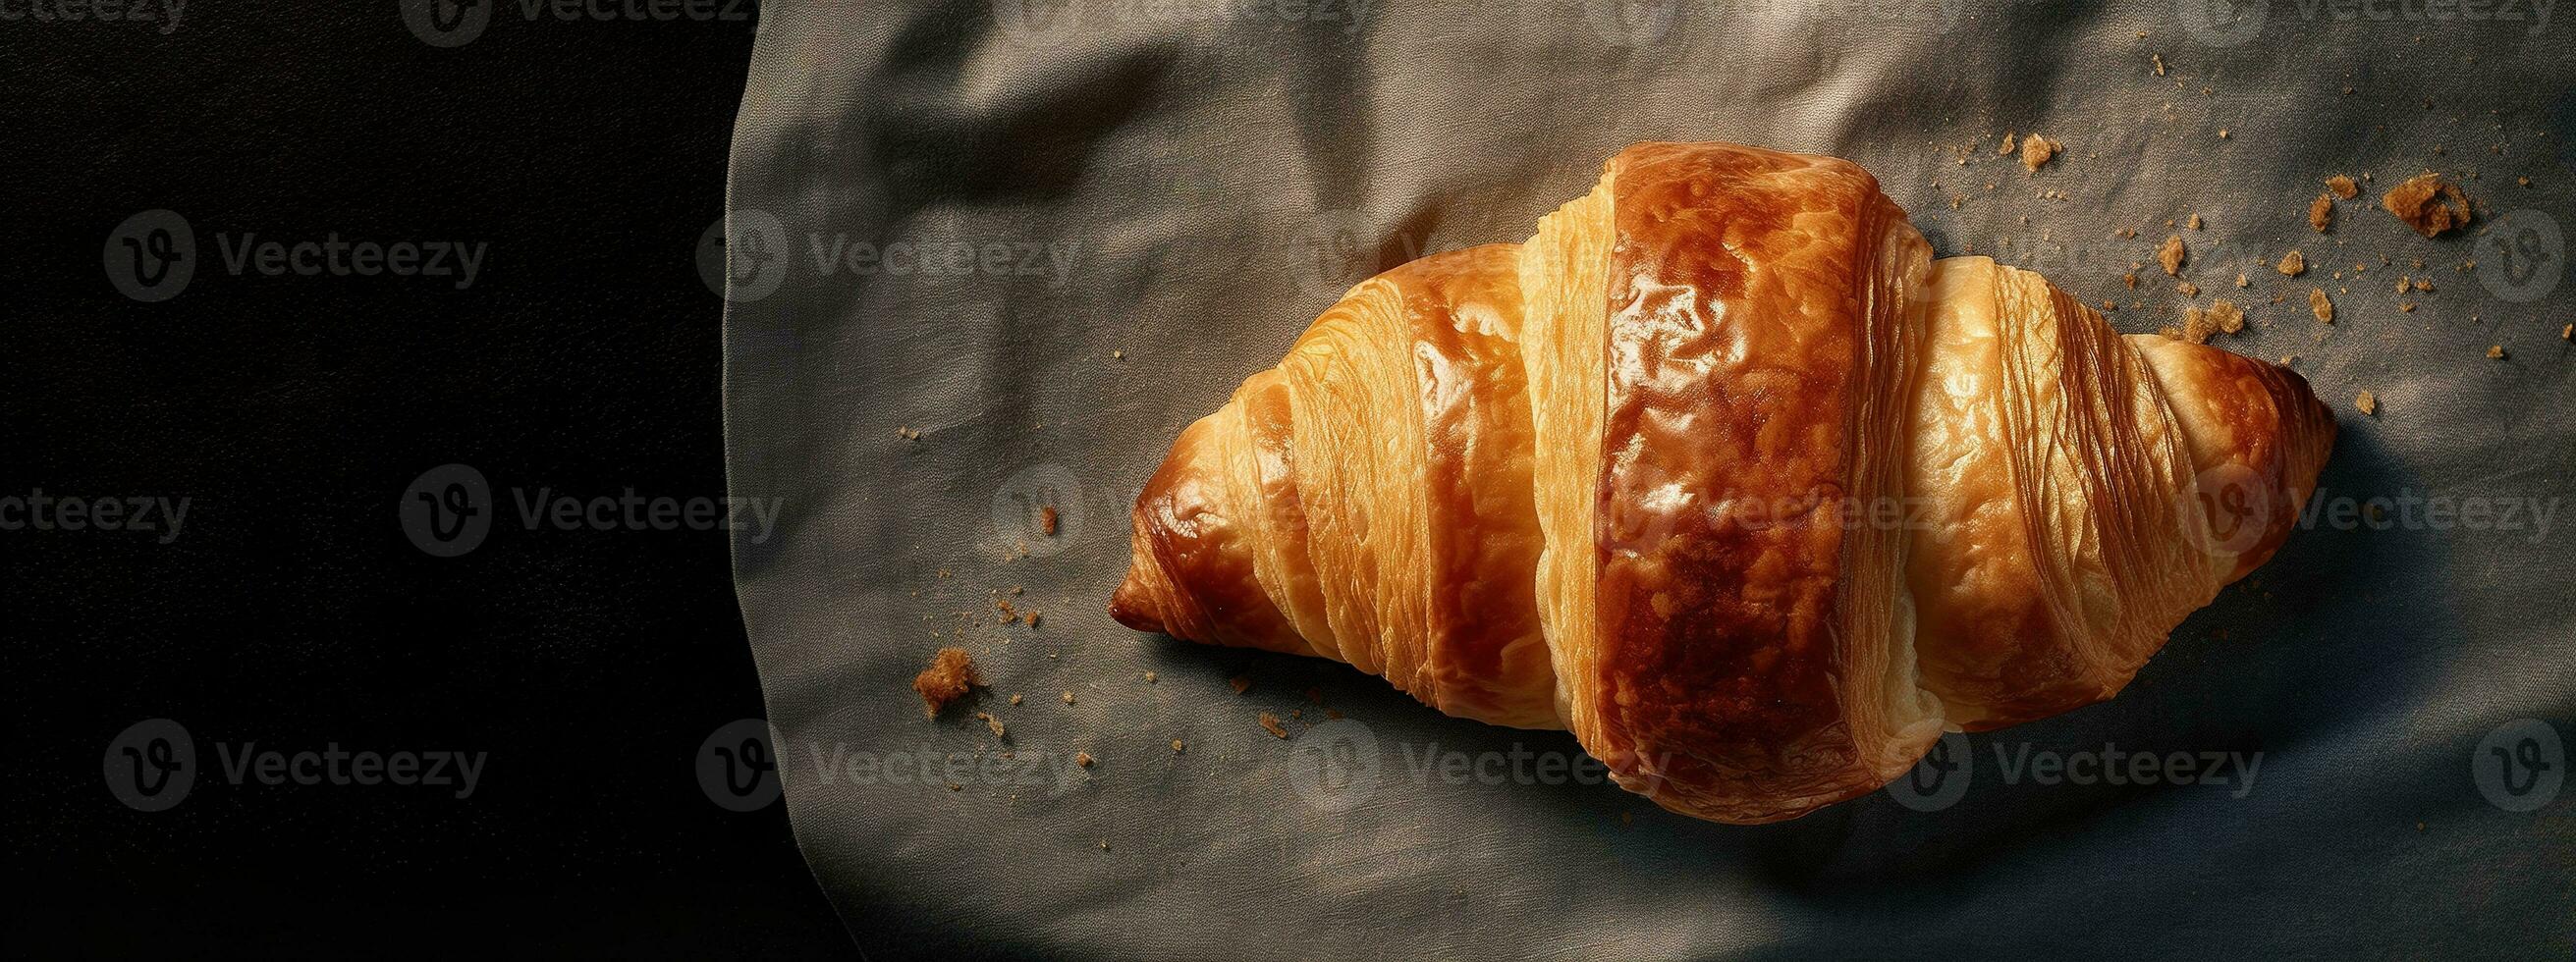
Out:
{"x": 2342, "y": 187}
{"x": 1241, "y": 683}
{"x": 2188, "y": 289}
{"x": 2243, "y": 281}
{"x": 2524, "y": 181}
{"x": 2427, "y": 204}
{"x": 2496, "y": 352}
{"x": 2423, "y": 284}
{"x": 2367, "y": 402}
{"x": 2403, "y": 284}
{"x": 2406, "y": 306}
{"x": 2319, "y": 305}
{"x": 2222, "y": 131}
{"x": 2293, "y": 264}
{"x": 1015, "y": 699}
{"x": 1149, "y": 678}
{"x": 1116, "y": 356}
{"x": 1177, "y": 747}
{"x": 993, "y": 723}
{"x": 1083, "y": 759}
{"x": 2227, "y": 316}
{"x": 2567, "y": 333}
{"x": 2130, "y": 279}
{"x": 1104, "y": 845}
{"x": 907, "y": 434}
{"x": 2008, "y": 146}
{"x": 1270, "y": 722}
{"x": 2171, "y": 256}
{"x": 2194, "y": 222}
{"x": 2321, "y": 212}
{"x": 1047, "y": 520}
{"x": 950, "y": 675}
{"x": 2289, "y": 359}
{"x": 2159, "y": 59}
{"x": 2037, "y": 151}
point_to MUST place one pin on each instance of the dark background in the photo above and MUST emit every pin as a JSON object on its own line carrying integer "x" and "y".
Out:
{"x": 292, "y": 611}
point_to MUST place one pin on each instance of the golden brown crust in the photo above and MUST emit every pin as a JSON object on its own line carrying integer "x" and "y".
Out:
{"x": 1368, "y": 500}
{"x": 1758, "y": 354}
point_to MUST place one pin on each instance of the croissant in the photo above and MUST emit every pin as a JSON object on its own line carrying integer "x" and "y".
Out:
{"x": 1724, "y": 473}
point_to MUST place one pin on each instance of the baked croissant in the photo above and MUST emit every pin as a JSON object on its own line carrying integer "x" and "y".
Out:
{"x": 1722, "y": 472}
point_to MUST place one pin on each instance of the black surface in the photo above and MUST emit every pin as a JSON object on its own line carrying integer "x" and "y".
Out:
{"x": 292, "y": 611}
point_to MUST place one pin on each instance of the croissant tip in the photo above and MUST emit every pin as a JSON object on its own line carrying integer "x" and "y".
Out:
{"x": 1133, "y": 607}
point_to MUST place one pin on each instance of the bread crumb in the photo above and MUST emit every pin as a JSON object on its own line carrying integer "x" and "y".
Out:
{"x": 2008, "y": 146}
{"x": 2157, "y": 57}
{"x": 1068, "y": 698}
{"x": 2188, "y": 289}
{"x": 2171, "y": 256}
{"x": 2130, "y": 279}
{"x": 1177, "y": 747}
{"x": 1015, "y": 699}
{"x": 1241, "y": 683}
{"x": 2423, "y": 284}
{"x": 2406, "y": 306}
{"x": 2427, "y": 204}
{"x": 2402, "y": 284}
{"x": 1047, "y": 520}
{"x": 1104, "y": 845}
{"x": 950, "y": 675}
{"x": 2342, "y": 187}
{"x": 2367, "y": 402}
{"x": 1083, "y": 759}
{"x": 2226, "y": 316}
{"x": 907, "y": 434}
{"x": 2222, "y": 131}
{"x": 1116, "y": 356}
{"x": 2243, "y": 281}
{"x": 2496, "y": 352}
{"x": 2194, "y": 222}
{"x": 1149, "y": 678}
{"x": 2293, "y": 264}
{"x": 2567, "y": 333}
{"x": 2289, "y": 359}
{"x": 2321, "y": 212}
{"x": 2036, "y": 151}
{"x": 2319, "y": 305}
{"x": 993, "y": 723}
{"x": 1270, "y": 722}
